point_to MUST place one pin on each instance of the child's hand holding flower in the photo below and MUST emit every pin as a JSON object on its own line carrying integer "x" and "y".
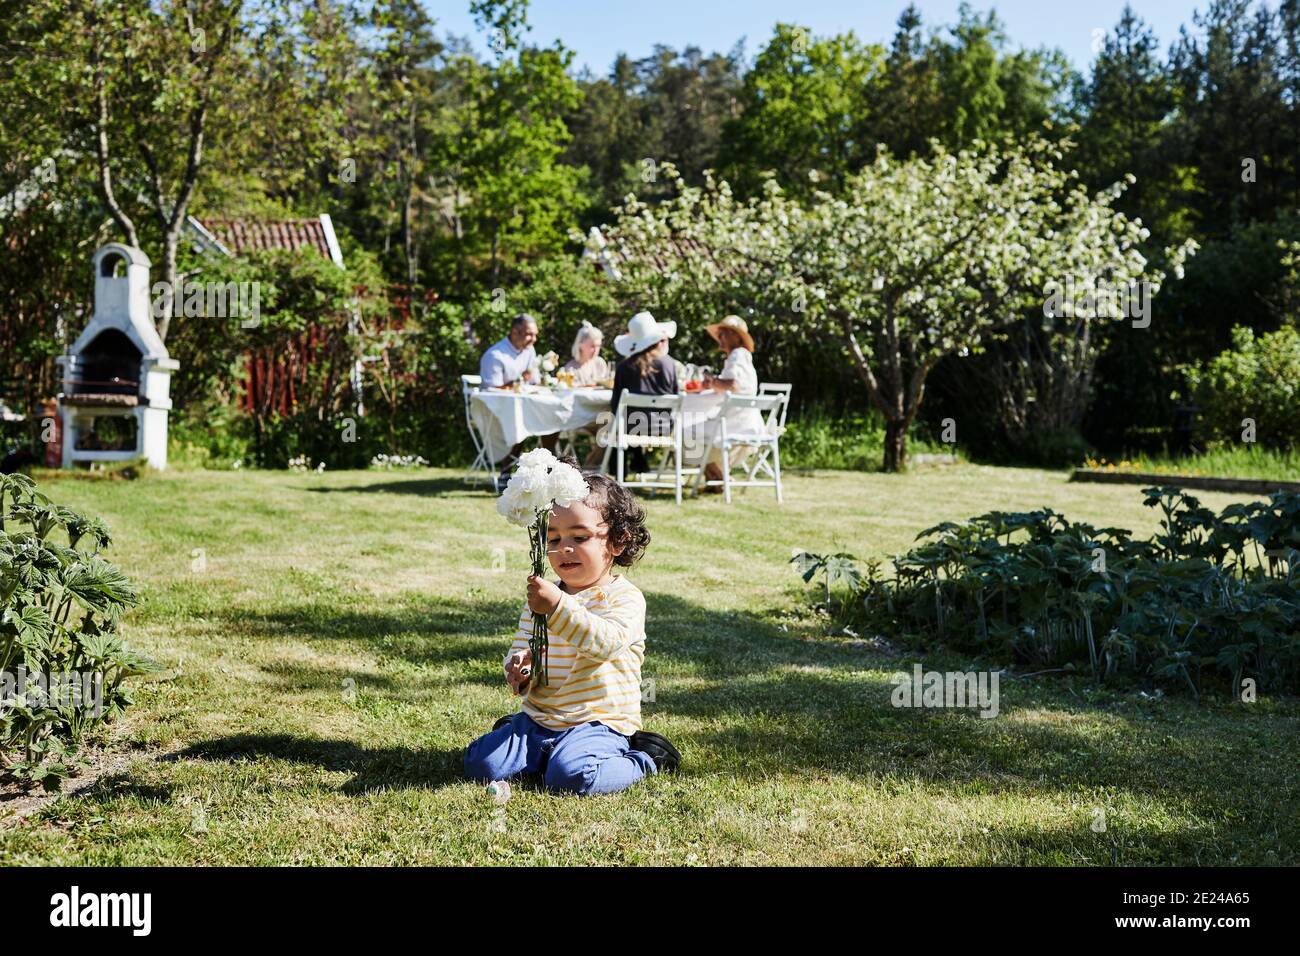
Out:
{"x": 519, "y": 670}
{"x": 543, "y": 596}
{"x": 539, "y": 483}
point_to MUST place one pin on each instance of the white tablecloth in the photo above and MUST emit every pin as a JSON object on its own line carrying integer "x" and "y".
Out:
{"x": 506, "y": 418}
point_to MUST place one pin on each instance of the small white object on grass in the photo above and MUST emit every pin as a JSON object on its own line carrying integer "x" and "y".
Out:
{"x": 499, "y": 791}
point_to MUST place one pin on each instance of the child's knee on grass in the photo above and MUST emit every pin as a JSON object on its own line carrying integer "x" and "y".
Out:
{"x": 484, "y": 758}
{"x": 594, "y": 759}
{"x": 572, "y": 772}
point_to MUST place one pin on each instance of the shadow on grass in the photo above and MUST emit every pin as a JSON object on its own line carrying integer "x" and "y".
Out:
{"x": 741, "y": 694}
{"x": 121, "y": 786}
{"x": 425, "y": 487}
{"x": 468, "y": 637}
{"x": 373, "y": 768}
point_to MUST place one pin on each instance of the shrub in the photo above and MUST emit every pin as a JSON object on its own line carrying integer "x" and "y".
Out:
{"x": 219, "y": 440}
{"x": 1258, "y": 378}
{"x": 1211, "y": 598}
{"x": 60, "y": 606}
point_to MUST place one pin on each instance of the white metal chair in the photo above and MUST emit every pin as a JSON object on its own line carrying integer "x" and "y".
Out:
{"x": 765, "y": 443}
{"x": 619, "y": 439}
{"x": 469, "y": 384}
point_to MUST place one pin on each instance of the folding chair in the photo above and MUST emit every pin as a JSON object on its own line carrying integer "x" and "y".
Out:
{"x": 469, "y": 384}
{"x": 777, "y": 388}
{"x": 766, "y": 442}
{"x": 758, "y": 459}
{"x": 619, "y": 439}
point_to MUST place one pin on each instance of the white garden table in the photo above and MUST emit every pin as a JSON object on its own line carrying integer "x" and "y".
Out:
{"x": 505, "y": 418}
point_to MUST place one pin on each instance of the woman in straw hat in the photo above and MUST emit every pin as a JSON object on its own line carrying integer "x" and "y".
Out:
{"x": 738, "y": 376}
{"x": 645, "y": 370}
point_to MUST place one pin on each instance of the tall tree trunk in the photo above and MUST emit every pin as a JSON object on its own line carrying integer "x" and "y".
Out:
{"x": 408, "y": 174}
{"x": 408, "y": 233}
{"x": 496, "y": 230}
{"x": 102, "y": 155}
{"x": 895, "y": 444}
{"x": 170, "y": 245}
{"x": 172, "y": 217}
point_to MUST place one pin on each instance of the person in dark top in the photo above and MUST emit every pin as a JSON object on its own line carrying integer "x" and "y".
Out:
{"x": 645, "y": 370}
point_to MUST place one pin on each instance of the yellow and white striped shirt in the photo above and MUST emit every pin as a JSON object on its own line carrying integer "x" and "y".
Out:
{"x": 596, "y": 646}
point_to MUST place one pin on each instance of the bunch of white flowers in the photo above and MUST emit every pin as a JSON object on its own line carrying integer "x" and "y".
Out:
{"x": 540, "y": 482}
{"x": 389, "y": 462}
{"x": 303, "y": 464}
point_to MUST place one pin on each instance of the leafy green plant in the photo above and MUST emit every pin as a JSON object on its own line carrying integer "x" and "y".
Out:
{"x": 1255, "y": 379}
{"x": 1209, "y": 599}
{"x": 839, "y": 568}
{"x": 60, "y": 608}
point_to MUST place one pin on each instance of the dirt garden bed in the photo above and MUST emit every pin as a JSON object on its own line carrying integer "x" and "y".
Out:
{"x": 1252, "y": 486}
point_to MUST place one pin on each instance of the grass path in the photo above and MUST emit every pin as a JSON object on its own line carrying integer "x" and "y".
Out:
{"x": 334, "y": 642}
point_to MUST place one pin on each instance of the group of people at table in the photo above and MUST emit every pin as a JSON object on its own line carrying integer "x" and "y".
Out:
{"x": 644, "y": 368}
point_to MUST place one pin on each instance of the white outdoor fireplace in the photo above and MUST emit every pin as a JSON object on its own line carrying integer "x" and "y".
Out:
{"x": 117, "y": 376}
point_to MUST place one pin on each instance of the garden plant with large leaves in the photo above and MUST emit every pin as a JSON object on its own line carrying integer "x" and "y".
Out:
{"x": 1208, "y": 602}
{"x": 60, "y": 608}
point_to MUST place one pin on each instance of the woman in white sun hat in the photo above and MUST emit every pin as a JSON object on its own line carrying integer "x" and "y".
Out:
{"x": 645, "y": 369}
{"x": 738, "y": 376}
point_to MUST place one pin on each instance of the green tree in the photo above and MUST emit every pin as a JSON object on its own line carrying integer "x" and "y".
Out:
{"x": 805, "y": 107}
{"x": 907, "y": 98}
{"x": 152, "y": 79}
{"x": 1231, "y": 111}
{"x": 405, "y": 81}
{"x": 987, "y": 93}
{"x": 608, "y": 131}
{"x": 1128, "y": 101}
{"x": 520, "y": 197}
{"x": 668, "y": 107}
{"x": 912, "y": 262}
{"x": 971, "y": 98}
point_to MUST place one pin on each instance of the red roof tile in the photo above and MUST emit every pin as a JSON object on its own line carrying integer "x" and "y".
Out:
{"x": 241, "y": 235}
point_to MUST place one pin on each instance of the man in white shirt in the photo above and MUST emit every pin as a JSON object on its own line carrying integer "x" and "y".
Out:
{"x": 509, "y": 360}
{"x": 505, "y": 363}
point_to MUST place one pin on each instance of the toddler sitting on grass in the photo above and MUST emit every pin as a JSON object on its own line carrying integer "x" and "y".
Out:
{"x": 582, "y": 731}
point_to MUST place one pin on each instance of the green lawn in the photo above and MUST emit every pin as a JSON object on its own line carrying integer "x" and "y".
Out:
{"x": 269, "y": 595}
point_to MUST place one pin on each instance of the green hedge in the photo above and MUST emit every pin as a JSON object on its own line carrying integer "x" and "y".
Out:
{"x": 1257, "y": 379}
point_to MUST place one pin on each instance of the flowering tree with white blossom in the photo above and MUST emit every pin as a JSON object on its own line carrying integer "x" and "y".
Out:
{"x": 915, "y": 260}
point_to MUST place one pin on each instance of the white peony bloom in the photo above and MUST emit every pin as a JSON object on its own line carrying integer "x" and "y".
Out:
{"x": 540, "y": 481}
{"x": 567, "y": 485}
{"x": 537, "y": 458}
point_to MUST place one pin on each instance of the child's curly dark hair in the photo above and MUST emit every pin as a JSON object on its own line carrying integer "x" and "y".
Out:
{"x": 626, "y": 518}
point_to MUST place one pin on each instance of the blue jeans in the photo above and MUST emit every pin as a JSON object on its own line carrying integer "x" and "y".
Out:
{"x": 588, "y": 759}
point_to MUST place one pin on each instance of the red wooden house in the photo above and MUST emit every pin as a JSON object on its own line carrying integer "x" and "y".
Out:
{"x": 272, "y": 377}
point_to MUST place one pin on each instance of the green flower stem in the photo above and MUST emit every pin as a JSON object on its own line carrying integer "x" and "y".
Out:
{"x": 538, "y": 643}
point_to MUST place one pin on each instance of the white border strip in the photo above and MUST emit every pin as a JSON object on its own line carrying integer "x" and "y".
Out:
{"x": 332, "y": 240}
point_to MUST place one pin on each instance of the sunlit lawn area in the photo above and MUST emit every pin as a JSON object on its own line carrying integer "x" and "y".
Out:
{"x": 334, "y": 641}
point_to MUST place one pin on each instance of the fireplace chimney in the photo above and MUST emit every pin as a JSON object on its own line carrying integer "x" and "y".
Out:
{"x": 117, "y": 375}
